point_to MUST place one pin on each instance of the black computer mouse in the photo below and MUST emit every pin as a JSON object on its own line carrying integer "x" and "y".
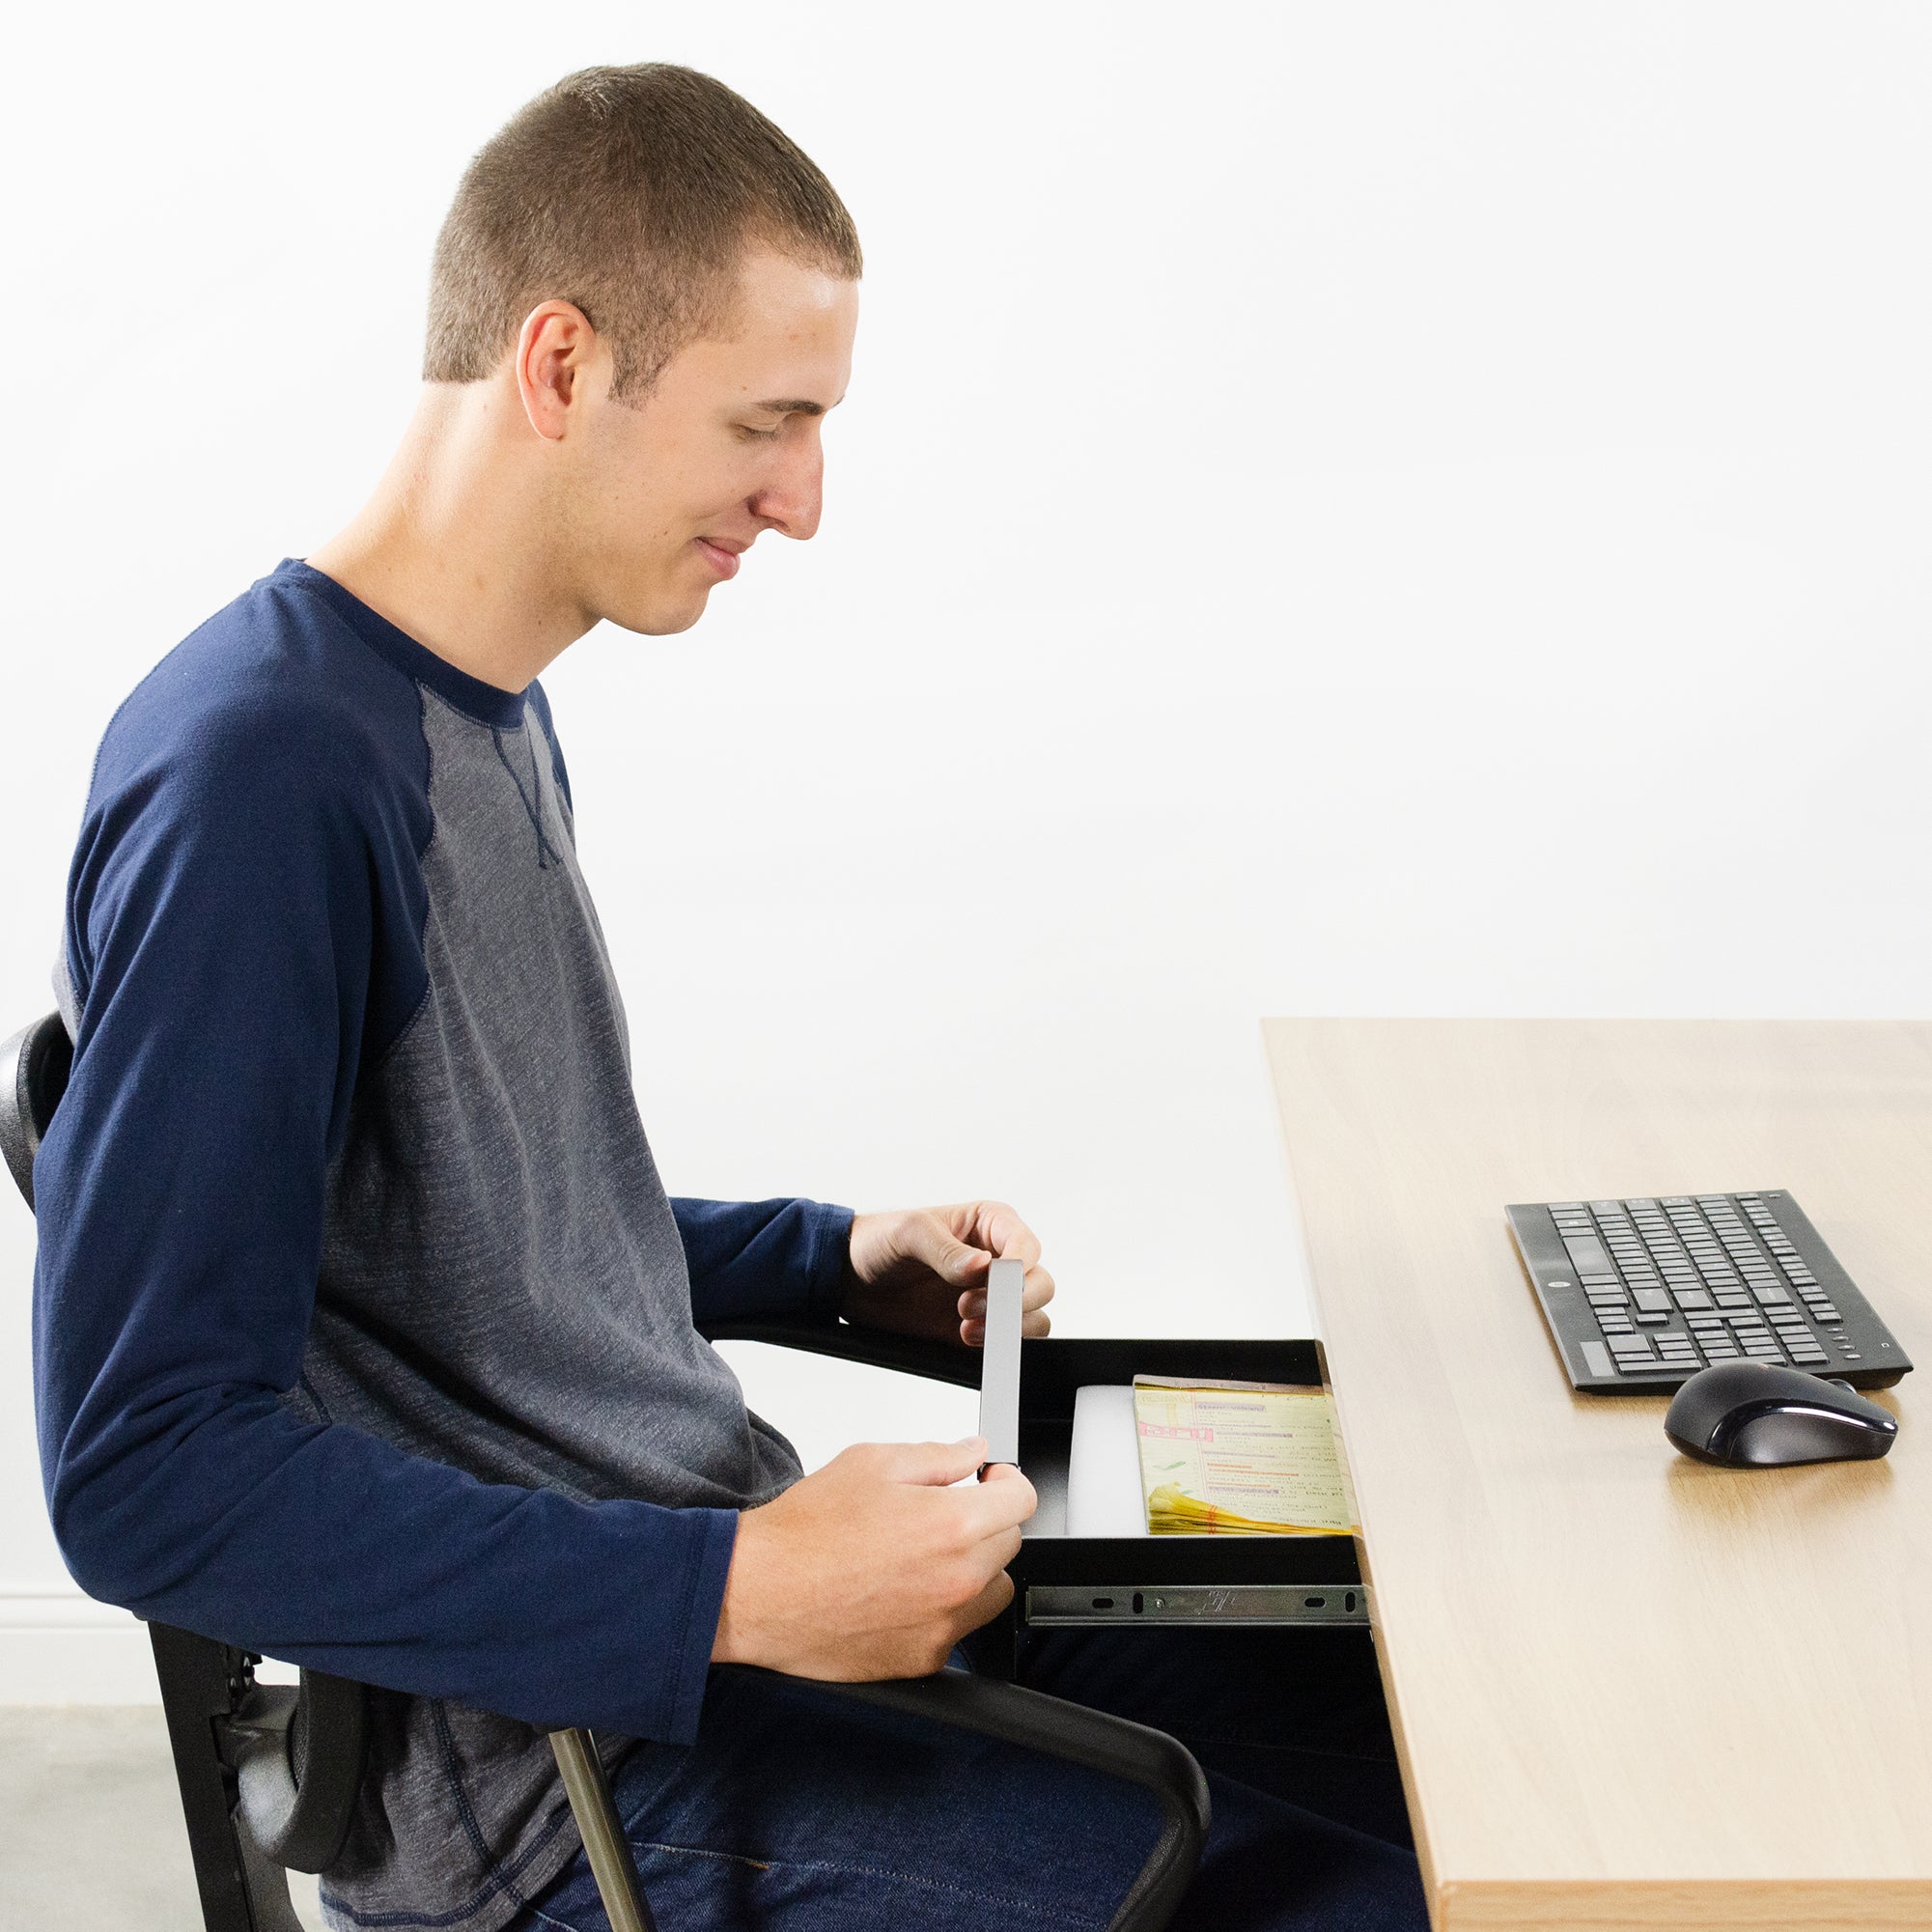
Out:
{"x": 1750, "y": 1414}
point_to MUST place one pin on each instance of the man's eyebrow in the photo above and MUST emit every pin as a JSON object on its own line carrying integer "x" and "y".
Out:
{"x": 793, "y": 406}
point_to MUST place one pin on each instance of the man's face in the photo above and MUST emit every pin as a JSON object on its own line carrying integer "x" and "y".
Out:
{"x": 668, "y": 493}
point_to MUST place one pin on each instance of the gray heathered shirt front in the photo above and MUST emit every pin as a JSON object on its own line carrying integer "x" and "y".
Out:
{"x": 502, "y": 1286}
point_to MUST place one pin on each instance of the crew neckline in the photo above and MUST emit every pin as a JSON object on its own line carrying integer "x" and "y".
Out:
{"x": 488, "y": 703}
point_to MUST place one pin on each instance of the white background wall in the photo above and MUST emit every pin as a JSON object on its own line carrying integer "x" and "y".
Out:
{"x": 1349, "y": 509}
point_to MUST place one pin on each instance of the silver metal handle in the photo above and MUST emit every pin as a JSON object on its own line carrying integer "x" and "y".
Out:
{"x": 999, "y": 1364}
{"x": 601, "y": 1831}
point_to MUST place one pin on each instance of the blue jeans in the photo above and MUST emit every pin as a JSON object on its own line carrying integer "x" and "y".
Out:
{"x": 796, "y": 1812}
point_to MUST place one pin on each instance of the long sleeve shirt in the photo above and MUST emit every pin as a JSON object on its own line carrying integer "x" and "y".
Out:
{"x": 364, "y": 1328}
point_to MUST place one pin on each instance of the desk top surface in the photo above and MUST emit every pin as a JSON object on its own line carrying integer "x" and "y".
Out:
{"x": 1628, "y": 1688}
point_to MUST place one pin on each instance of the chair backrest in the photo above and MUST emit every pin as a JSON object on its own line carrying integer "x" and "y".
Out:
{"x": 34, "y": 1066}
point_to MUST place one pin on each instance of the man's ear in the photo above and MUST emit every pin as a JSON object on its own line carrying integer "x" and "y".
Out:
{"x": 554, "y": 350}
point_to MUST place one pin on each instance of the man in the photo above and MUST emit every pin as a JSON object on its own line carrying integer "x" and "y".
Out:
{"x": 364, "y": 1327}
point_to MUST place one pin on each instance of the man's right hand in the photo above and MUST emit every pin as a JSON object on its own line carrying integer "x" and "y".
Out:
{"x": 874, "y": 1566}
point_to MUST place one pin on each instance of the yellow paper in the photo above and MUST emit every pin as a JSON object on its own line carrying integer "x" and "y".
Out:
{"x": 1238, "y": 1459}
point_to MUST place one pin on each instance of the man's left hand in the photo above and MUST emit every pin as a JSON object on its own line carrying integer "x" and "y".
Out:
{"x": 922, "y": 1270}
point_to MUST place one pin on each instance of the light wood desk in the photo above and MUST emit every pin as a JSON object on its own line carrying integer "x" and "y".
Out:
{"x": 1629, "y": 1690}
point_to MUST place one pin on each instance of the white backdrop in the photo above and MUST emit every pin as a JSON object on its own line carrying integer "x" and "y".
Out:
{"x": 1372, "y": 509}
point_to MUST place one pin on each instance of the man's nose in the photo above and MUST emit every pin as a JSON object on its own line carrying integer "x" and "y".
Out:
{"x": 791, "y": 499}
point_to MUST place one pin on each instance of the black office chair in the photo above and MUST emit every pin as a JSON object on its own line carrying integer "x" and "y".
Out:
{"x": 268, "y": 1773}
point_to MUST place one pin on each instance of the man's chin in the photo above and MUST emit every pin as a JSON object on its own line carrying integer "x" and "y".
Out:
{"x": 660, "y": 618}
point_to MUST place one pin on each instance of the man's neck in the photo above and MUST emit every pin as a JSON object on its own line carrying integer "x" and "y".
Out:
{"x": 454, "y": 547}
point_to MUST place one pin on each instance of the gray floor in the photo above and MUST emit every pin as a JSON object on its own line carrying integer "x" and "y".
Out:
{"x": 91, "y": 1827}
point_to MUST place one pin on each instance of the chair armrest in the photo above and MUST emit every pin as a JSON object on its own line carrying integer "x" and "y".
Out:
{"x": 910, "y": 1355}
{"x": 1121, "y": 1749}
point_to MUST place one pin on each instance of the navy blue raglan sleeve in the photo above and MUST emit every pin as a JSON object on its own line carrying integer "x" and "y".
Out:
{"x": 225, "y": 906}
{"x": 764, "y": 1258}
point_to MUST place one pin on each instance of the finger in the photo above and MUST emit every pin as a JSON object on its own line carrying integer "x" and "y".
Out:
{"x": 1038, "y": 1292}
{"x": 926, "y": 1239}
{"x": 1032, "y": 1327}
{"x": 1000, "y": 1228}
{"x": 938, "y": 1464}
{"x": 984, "y": 1608}
{"x": 1001, "y": 1503}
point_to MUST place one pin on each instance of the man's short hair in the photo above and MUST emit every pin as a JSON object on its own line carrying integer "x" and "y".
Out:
{"x": 633, "y": 192}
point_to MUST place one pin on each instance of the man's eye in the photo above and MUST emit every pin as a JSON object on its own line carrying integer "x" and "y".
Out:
{"x": 757, "y": 435}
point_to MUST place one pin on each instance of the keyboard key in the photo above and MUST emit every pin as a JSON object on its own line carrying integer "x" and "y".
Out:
{"x": 1587, "y": 1254}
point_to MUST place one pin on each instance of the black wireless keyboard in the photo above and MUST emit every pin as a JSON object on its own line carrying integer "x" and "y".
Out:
{"x": 1640, "y": 1294}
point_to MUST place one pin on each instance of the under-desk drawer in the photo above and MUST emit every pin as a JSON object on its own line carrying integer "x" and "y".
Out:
{"x": 1062, "y": 1581}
